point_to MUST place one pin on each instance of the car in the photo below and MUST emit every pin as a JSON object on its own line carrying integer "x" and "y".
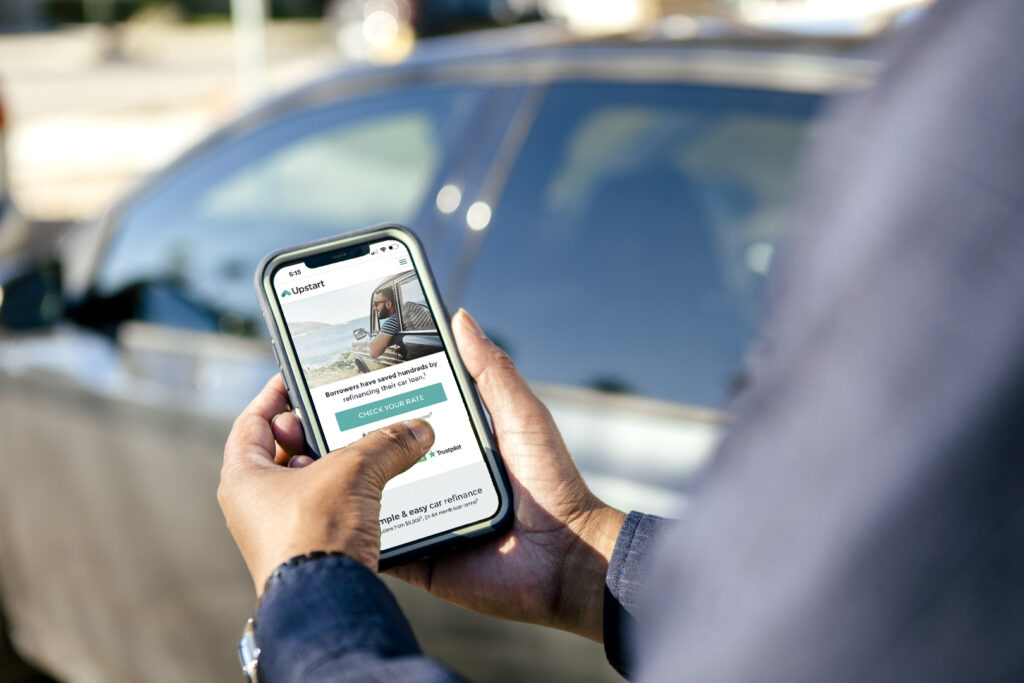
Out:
{"x": 607, "y": 208}
{"x": 417, "y": 335}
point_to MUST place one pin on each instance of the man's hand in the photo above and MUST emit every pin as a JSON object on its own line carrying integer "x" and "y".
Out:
{"x": 380, "y": 343}
{"x": 276, "y": 512}
{"x": 550, "y": 568}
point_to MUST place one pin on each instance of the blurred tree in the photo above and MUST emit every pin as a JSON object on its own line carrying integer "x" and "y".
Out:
{"x": 696, "y": 7}
{"x": 104, "y": 12}
{"x": 62, "y": 11}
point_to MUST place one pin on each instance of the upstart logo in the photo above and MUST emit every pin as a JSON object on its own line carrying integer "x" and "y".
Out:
{"x": 302, "y": 289}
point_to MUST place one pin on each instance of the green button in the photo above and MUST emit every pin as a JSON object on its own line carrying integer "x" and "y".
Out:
{"x": 390, "y": 407}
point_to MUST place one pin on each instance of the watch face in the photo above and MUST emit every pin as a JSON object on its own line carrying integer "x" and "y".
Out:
{"x": 248, "y": 653}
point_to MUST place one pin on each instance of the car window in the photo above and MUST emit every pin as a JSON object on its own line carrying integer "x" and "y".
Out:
{"x": 190, "y": 247}
{"x": 415, "y": 313}
{"x": 629, "y": 247}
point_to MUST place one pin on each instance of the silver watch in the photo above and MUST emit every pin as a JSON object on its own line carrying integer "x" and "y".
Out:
{"x": 248, "y": 653}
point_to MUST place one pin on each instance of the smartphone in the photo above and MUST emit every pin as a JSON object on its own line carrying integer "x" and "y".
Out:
{"x": 362, "y": 339}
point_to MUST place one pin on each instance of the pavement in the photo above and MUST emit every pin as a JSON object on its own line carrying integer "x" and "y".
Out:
{"x": 83, "y": 128}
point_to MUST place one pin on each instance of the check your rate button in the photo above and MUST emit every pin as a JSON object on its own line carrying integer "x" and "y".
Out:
{"x": 390, "y": 407}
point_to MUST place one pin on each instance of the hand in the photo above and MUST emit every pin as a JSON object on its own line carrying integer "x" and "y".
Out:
{"x": 276, "y": 512}
{"x": 550, "y": 568}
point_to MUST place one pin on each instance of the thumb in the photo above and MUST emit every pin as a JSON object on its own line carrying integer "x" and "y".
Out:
{"x": 506, "y": 394}
{"x": 387, "y": 452}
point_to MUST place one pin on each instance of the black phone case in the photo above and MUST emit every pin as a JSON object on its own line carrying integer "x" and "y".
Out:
{"x": 502, "y": 519}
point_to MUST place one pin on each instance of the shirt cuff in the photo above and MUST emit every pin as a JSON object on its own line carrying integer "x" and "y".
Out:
{"x": 624, "y": 583}
{"x": 330, "y": 614}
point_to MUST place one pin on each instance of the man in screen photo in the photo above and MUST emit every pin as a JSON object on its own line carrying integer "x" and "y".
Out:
{"x": 385, "y": 309}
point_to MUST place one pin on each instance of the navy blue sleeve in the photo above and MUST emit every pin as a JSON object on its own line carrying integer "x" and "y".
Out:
{"x": 332, "y": 619}
{"x": 627, "y": 574}
{"x": 863, "y": 520}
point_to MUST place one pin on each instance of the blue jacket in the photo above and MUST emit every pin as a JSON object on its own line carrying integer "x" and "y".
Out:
{"x": 333, "y": 620}
{"x": 864, "y": 517}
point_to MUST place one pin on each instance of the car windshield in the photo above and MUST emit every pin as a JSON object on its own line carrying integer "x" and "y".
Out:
{"x": 629, "y": 248}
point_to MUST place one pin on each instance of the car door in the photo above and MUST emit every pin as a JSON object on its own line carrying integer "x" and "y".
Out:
{"x": 624, "y": 259}
{"x": 114, "y": 561}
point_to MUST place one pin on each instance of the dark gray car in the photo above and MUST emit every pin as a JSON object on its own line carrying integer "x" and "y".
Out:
{"x": 607, "y": 210}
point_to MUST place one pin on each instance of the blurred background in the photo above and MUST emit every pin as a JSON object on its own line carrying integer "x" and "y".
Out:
{"x": 97, "y": 93}
{"x": 575, "y": 169}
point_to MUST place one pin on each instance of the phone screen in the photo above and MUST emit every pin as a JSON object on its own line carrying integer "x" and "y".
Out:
{"x": 370, "y": 355}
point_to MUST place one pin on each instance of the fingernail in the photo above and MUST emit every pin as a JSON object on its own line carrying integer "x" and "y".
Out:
{"x": 422, "y": 430}
{"x": 470, "y": 323}
{"x": 300, "y": 461}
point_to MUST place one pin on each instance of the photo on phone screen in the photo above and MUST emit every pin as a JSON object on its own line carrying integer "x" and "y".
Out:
{"x": 370, "y": 355}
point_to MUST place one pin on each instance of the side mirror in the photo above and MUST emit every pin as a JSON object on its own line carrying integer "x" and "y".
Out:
{"x": 361, "y": 333}
{"x": 32, "y": 297}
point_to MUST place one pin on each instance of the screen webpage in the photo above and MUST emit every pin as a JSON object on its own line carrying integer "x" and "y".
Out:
{"x": 371, "y": 356}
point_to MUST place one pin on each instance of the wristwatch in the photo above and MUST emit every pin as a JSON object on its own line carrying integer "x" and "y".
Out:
{"x": 248, "y": 653}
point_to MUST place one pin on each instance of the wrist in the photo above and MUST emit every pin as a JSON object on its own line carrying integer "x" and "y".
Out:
{"x": 581, "y": 603}
{"x": 363, "y": 548}
{"x": 296, "y": 561}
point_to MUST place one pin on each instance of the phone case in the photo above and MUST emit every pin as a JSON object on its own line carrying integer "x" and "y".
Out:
{"x": 302, "y": 403}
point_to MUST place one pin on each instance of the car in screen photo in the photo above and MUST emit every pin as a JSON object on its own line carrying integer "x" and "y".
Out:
{"x": 417, "y": 334}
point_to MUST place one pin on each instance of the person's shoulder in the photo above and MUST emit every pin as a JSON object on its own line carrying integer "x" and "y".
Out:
{"x": 389, "y": 325}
